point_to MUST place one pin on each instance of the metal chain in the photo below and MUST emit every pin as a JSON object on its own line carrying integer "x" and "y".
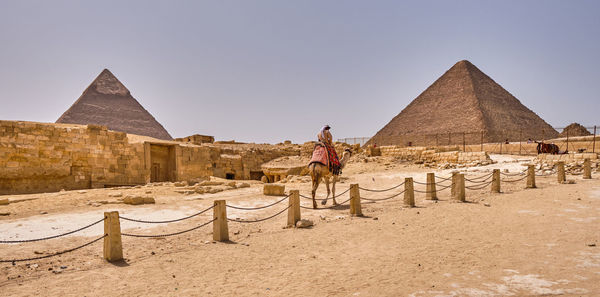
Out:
{"x": 53, "y": 236}
{"x": 444, "y": 178}
{"x": 338, "y": 195}
{"x": 516, "y": 180}
{"x": 477, "y": 179}
{"x": 168, "y": 234}
{"x": 256, "y": 208}
{"x": 168, "y": 221}
{"x": 383, "y": 190}
{"x": 52, "y": 255}
{"x": 479, "y": 187}
{"x": 329, "y": 207}
{"x": 259, "y": 220}
{"x": 382, "y": 199}
{"x": 512, "y": 174}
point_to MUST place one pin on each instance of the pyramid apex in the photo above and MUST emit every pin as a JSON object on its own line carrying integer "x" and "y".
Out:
{"x": 107, "y": 83}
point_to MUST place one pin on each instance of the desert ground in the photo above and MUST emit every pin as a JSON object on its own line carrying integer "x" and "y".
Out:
{"x": 521, "y": 242}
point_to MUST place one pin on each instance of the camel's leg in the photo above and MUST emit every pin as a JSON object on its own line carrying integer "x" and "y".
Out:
{"x": 333, "y": 189}
{"x": 315, "y": 184}
{"x": 326, "y": 178}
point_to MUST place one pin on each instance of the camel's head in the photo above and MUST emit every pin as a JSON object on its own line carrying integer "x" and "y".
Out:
{"x": 348, "y": 151}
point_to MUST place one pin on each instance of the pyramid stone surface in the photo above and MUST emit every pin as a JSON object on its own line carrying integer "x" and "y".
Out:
{"x": 109, "y": 103}
{"x": 574, "y": 129}
{"x": 464, "y": 99}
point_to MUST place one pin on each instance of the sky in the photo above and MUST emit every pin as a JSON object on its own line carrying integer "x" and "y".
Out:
{"x": 268, "y": 71}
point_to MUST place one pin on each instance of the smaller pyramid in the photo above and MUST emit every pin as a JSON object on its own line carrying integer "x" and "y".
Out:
{"x": 108, "y": 102}
{"x": 574, "y": 129}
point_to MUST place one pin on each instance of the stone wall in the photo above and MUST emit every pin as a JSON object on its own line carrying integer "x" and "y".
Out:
{"x": 37, "y": 157}
{"x": 433, "y": 155}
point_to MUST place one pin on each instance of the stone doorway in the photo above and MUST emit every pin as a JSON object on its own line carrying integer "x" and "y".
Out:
{"x": 162, "y": 163}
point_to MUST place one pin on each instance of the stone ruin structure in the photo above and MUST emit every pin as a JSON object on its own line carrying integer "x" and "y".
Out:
{"x": 41, "y": 157}
{"x": 107, "y": 102}
{"x": 464, "y": 99}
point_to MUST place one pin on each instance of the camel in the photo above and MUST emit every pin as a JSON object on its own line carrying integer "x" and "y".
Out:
{"x": 319, "y": 171}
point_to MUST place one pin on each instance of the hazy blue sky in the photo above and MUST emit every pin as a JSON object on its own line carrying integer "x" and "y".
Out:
{"x": 266, "y": 71}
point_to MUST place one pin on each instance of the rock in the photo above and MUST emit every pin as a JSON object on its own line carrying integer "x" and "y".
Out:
{"x": 375, "y": 219}
{"x": 34, "y": 266}
{"x": 95, "y": 204}
{"x": 185, "y": 192}
{"x": 568, "y": 182}
{"x": 304, "y": 223}
{"x": 210, "y": 183}
{"x": 134, "y": 200}
{"x": 82, "y": 192}
{"x": 214, "y": 190}
{"x": 43, "y": 212}
{"x": 149, "y": 192}
{"x": 181, "y": 184}
{"x": 199, "y": 190}
{"x": 149, "y": 200}
{"x": 118, "y": 194}
{"x": 231, "y": 184}
{"x": 244, "y": 185}
{"x": 4, "y": 201}
{"x": 63, "y": 267}
{"x": 274, "y": 190}
{"x": 264, "y": 179}
{"x": 5, "y": 213}
{"x": 487, "y": 204}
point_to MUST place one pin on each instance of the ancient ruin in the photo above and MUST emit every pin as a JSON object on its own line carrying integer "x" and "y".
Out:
{"x": 107, "y": 102}
{"x": 464, "y": 99}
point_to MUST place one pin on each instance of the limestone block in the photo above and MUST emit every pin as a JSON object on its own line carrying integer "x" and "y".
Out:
{"x": 273, "y": 190}
{"x": 134, "y": 200}
{"x": 4, "y": 201}
{"x": 149, "y": 200}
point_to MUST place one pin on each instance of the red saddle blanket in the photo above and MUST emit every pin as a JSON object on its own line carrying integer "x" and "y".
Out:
{"x": 327, "y": 156}
{"x": 320, "y": 156}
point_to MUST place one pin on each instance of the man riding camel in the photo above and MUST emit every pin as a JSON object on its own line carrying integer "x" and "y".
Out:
{"x": 326, "y": 139}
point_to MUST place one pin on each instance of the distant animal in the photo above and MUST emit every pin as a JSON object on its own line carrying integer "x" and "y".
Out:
{"x": 320, "y": 171}
{"x": 547, "y": 148}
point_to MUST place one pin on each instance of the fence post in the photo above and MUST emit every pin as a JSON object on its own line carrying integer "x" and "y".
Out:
{"x": 409, "y": 192}
{"x": 459, "y": 191}
{"x": 482, "y": 141}
{"x": 520, "y": 139}
{"x": 587, "y": 169}
{"x": 561, "y": 172}
{"x": 594, "y": 143}
{"x": 454, "y": 182}
{"x": 431, "y": 191}
{"x": 220, "y": 228}
{"x": 496, "y": 181}
{"x": 530, "y": 176}
{"x": 113, "y": 246}
{"x": 355, "y": 207}
{"x": 294, "y": 209}
{"x": 567, "y": 141}
{"x": 464, "y": 143}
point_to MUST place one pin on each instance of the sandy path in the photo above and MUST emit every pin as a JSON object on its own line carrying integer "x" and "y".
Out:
{"x": 527, "y": 242}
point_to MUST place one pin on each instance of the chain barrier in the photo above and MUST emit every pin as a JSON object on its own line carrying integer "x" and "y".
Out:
{"x": 382, "y": 199}
{"x": 329, "y": 207}
{"x": 437, "y": 190}
{"x": 477, "y": 179}
{"x": 168, "y": 221}
{"x": 257, "y": 208}
{"x": 336, "y": 196}
{"x": 479, "y": 187}
{"x": 512, "y": 174}
{"x": 168, "y": 234}
{"x": 419, "y": 183}
{"x": 259, "y": 220}
{"x": 546, "y": 174}
{"x": 443, "y": 179}
{"x": 53, "y": 236}
{"x": 515, "y": 180}
{"x": 52, "y": 255}
{"x": 383, "y": 190}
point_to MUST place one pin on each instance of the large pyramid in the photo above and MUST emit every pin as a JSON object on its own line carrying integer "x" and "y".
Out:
{"x": 464, "y": 99}
{"x": 107, "y": 102}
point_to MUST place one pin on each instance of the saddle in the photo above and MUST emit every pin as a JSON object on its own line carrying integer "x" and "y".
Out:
{"x": 327, "y": 156}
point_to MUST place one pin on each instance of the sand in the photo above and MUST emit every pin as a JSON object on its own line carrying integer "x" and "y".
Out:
{"x": 532, "y": 242}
